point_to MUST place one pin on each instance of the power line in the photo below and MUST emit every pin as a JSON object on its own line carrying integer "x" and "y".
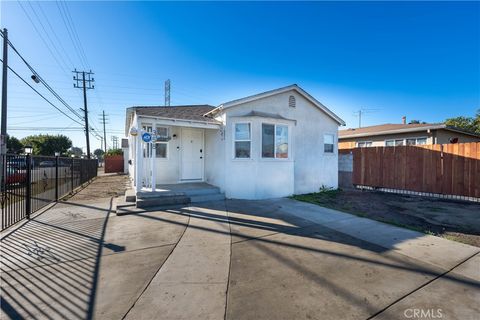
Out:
{"x": 40, "y": 79}
{"x": 56, "y": 36}
{"x": 74, "y": 32}
{"x": 63, "y": 15}
{"x": 48, "y": 36}
{"x": 41, "y": 37}
{"x": 28, "y": 84}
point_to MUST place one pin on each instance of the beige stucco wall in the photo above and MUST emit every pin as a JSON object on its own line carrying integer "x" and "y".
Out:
{"x": 443, "y": 136}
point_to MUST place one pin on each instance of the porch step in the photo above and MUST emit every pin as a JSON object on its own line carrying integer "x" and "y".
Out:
{"x": 203, "y": 191}
{"x": 130, "y": 195}
{"x": 207, "y": 197}
{"x": 162, "y": 200}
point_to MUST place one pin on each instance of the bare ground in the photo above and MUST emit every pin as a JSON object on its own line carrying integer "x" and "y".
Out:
{"x": 103, "y": 186}
{"x": 454, "y": 220}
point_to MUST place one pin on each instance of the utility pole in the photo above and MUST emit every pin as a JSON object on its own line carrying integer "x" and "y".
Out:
{"x": 84, "y": 84}
{"x": 3, "y": 133}
{"x": 167, "y": 93}
{"x": 103, "y": 120}
{"x": 115, "y": 142}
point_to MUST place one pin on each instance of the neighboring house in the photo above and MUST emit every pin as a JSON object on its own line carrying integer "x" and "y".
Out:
{"x": 403, "y": 134}
{"x": 272, "y": 144}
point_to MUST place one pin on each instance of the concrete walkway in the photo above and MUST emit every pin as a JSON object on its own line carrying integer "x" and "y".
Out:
{"x": 192, "y": 284}
{"x": 272, "y": 259}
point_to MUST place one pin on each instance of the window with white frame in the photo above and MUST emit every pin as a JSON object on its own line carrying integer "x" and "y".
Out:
{"x": 407, "y": 142}
{"x": 328, "y": 143}
{"x": 161, "y": 149}
{"x": 161, "y": 146}
{"x": 162, "y": 132}
{"x": 274, "y": 141}
{"x": 364, "y": 144}
{"x": 242, "y": 140}
{"x": 389, "y": 143}
{"x": 421, "y": 141}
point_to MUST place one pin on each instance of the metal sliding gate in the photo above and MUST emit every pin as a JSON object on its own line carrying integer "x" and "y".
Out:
{"x": 29, "y": 183}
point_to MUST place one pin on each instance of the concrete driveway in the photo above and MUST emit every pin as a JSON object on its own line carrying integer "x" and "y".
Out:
{"x": 272, "y": 259}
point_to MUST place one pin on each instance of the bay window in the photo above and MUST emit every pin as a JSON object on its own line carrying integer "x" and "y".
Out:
{"x": 274, "y": 141}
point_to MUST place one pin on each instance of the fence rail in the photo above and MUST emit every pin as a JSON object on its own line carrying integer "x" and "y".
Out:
{"x": 29, "y": 183}
{"x": 449, "y": 169}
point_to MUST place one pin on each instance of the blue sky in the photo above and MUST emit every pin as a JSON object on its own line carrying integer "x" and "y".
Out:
{"x": 419, "y": 59}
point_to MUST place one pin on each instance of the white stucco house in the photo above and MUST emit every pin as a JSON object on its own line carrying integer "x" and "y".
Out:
{"x": 272, "y": 144}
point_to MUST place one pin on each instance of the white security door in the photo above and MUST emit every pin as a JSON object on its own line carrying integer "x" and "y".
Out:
{"x": 192, "y": 154}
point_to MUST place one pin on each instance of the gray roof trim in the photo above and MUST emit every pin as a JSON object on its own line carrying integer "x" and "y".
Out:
{"x": 265, "y": 115}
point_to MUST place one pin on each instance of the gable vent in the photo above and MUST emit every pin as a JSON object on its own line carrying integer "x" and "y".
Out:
{"x": 291, "y": 102}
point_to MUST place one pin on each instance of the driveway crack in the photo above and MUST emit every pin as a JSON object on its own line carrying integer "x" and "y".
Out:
{"x": 422, "y": 286}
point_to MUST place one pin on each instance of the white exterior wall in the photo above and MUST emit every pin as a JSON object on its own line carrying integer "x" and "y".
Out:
{"x": 306, "y": 170}
{"x": 168, "y": 169}
{"x": 214, "y": 158}
{"x": 308, "y": 167}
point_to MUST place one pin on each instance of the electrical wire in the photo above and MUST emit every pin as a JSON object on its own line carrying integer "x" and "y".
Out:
{"x": 63, "y": 15}
{"x": 49, "y": 88}
{"x": 44, "y": 98}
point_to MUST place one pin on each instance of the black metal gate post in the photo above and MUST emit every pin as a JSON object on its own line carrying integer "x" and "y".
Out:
{"x": 28, "y": 197}
{"x": 71, "y": 171}
{"x": 56, "y": 178}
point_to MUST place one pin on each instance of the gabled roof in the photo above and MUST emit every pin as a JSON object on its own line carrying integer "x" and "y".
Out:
{"x": 392, "y": 128}
{"x": 266, "y": 94}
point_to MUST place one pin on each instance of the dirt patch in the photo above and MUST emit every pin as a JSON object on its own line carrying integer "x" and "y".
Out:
{"x": 103, "y": 186}
{"x": 459, "y": 221}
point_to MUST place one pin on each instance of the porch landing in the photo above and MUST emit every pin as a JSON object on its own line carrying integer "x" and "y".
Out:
{"x": 178, "y": 193}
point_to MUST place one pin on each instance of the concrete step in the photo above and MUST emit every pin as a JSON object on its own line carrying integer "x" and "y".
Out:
{"x": 202, "y": 191}
{"x": 130, "y": 195}
{"x": 157, "y": 194}
{"x": 207, "y": 197}
{"x": 162, "y": 201}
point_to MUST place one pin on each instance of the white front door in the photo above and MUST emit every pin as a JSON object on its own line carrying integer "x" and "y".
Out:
{"x": 192, "y": 154}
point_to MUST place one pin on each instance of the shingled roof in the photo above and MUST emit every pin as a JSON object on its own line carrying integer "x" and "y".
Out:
{"x": 190, "y": 112}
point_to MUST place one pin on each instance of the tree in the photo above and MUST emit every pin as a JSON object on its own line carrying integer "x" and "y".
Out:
{"x": 416, "y": 122}
{"x": 114, "y": 152}
{"x": 99, "y": 153}
{"x": 47, "y": 145}
{"x": 14, "y": 145}
{"x": 471, "y": 124}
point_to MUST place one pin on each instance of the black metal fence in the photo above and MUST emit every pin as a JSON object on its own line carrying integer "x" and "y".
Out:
{"x": 29, "y": 183}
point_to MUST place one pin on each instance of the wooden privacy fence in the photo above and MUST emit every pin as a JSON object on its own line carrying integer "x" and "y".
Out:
{"x": 449, "y": 169}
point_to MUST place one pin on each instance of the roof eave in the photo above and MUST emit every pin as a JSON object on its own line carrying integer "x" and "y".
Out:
{"x": 385, "y": 132}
